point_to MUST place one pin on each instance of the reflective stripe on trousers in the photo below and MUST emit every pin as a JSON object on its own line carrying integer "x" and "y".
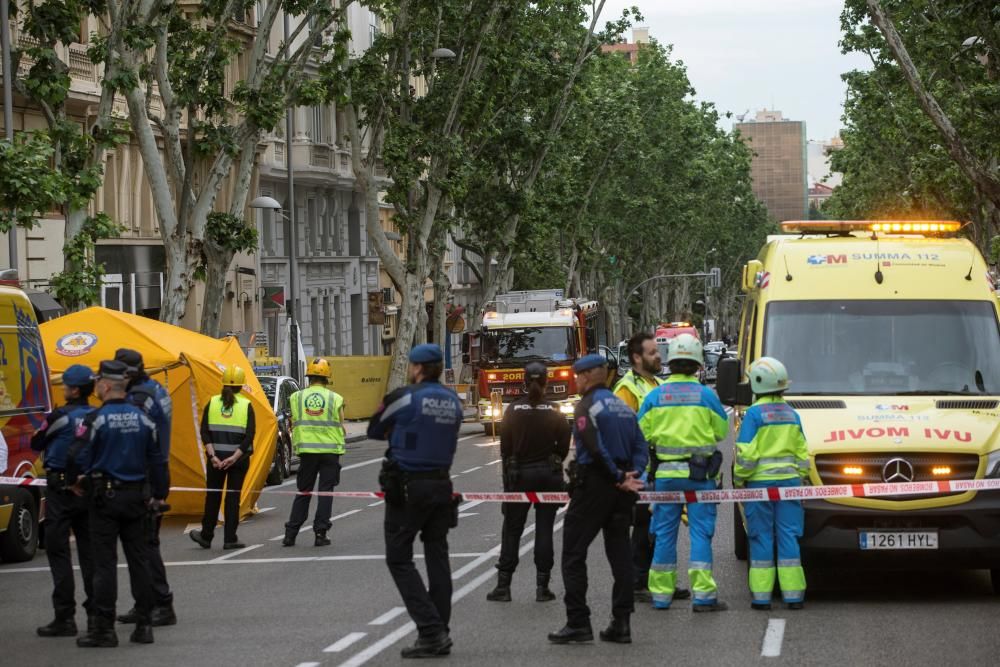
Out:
{"x": 771, "y": 524}
{"x": 665, "y": 525}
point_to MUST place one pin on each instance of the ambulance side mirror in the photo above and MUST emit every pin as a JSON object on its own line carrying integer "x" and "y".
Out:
{"x": 728, "y": 383}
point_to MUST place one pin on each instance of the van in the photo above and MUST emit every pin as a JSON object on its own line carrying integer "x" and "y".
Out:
{"x": 890, "y": 333}
{"x": 25, "y": 399}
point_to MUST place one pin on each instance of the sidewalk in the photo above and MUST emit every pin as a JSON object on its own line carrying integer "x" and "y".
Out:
{"x": 357, "y": 430}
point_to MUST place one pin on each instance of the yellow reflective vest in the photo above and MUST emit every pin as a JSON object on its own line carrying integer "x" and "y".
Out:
{"x": 316, "y": 426}
{"x": 228, "y": 426}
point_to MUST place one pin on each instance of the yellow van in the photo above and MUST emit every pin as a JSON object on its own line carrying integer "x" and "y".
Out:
{"x": 24, "y": 400}
{"x": 889, "y": 330}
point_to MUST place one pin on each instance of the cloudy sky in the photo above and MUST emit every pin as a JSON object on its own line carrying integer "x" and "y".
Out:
{"x": 753, "y": 54}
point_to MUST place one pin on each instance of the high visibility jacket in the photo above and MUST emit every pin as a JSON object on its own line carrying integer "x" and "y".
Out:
{"x": 316, "y": 426}
{"x": 228, "y": 427}
{"x": 771, "y": 444}
{"x": 681, "y": 418}
{"x": 632, "y": 389}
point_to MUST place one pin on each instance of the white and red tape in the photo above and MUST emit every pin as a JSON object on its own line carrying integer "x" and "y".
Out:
{"x": 672, "y": 497}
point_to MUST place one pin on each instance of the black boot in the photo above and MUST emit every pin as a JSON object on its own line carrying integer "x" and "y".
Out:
{"x": 289, "y": 540}
{"x": 321, "y": 539}
{"x": 91, "y": 622}
{"x": 542, "y": 592}
{"x": 103, "y": 635}
{"x": 229, "y": 546}
{"x": 128, "y": 618}
{"x": 618, "y": 631}
{"x": 718, "y": 605}
{"x": 502, "y": 592}
{"x": 571, "y": 635}
{"x": 164, "y": 615}
{"x": 203, "y": 541}
{"x": 60, "y": 627}
{"x": 429, "y": 647}
{"x": 143, "y": 633}
{"x": 682, "y": 594}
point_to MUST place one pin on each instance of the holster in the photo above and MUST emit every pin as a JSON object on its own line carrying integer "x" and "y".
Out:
{"x": 654, "y": 464}
{"x": 55, "y": 481}
{"x": 511, "y": 473}
{"x": 575, "y": 473}
{"x": 701, "y": 468}
{"x": 390, "y": 479}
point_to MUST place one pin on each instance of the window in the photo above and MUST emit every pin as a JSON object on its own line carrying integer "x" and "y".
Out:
{"x": 520, "y": 345}
{"x": 316, "y": 325}
{"x": 319, "y": 125}
{"x": 312, "y": 224}
{"x": 328, "y": 339}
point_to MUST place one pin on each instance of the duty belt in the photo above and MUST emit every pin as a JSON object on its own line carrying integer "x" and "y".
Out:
{"x": 426, "y": 474}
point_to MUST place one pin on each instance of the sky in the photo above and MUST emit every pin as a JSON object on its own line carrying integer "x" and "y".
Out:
{"x": 755, "y": 54}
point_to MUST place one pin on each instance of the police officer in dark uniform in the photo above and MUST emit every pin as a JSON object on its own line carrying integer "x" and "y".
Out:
{"x": 611, "y": 455}
{"x": 121, "y": 459}
{"x": 534, "y": 441}
{"x": 65, "y": 510}
{"x": 421, "y": 422}
{"x": 154, "y": 400}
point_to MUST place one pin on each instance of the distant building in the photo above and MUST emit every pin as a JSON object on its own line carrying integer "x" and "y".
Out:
{"x": 818, "y": 156}
{"x": 630, "y": 50}
{"x": 818, "y": 194}
{"x": 779, "y": 165}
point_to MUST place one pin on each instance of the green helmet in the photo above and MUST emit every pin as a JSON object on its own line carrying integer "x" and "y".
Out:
{"x": 767, "y": 376}
{"x": 686, "y": 346}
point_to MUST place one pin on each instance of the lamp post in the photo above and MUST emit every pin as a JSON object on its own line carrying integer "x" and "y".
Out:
{"x": 8, "y": 108}
{"x": 291, "y": 302}
{"x": 704, "y": 318}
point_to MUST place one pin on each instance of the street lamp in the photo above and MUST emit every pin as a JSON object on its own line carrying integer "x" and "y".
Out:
{"x": 271, "y": 204}
{"x": 443, "y": 53}
{"x": 8, "y": 108}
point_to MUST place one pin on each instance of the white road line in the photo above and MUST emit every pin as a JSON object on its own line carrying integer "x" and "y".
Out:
{"x": 265, "y": 509}
{"x": 385, "y": 618}
{"x": 469, "y": 437}
{"x": 469, "y": 505}
{"x": 773, "y": 637}
{"x": 464, "y": 472}
{"x": 308, "y": 528}
{"x": 493, "y": 463}
{"x": 364, "y": 656}
{"x": 308, "y": 664}
{"x": 377, "y": 503}
{"x": 362, "y": 464}
{"x": 231, "y": 554}
{"x": 345, "y": 642}
{"x": 488, "y": 443}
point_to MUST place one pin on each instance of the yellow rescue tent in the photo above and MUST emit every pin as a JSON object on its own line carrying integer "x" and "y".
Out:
{"x": 190, "y": 367}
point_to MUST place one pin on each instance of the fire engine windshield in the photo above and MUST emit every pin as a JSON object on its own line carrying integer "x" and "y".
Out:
{"x": 528, "y": 344}
{"x": 886, "y": 347}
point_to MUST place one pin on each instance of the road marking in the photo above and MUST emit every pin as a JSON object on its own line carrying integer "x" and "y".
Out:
{"x": 308, "y": 664}
{"x": 388, "y": 616}
{"x": 305, "y": 529}
{"x": 345, "y": 642}
{"x": 265, "y": 509}
{"x": 237, "y": 552}
{"x": 493, "y": 463}
{"x": 465, "y": 472}
{"x": 191, "y": 526}
{"x": 469, "y": 505}
{"x": 488, "y": 444}
{"x": 469, "y": 437}
{"x": 376, "y": 503}
{"x": 773, "y": 637}
{"x": 362, "y": 464}
{"x": 393, "y": 637}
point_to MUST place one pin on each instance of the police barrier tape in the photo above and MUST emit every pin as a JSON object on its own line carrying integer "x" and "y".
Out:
{"x": 767, "y": 494}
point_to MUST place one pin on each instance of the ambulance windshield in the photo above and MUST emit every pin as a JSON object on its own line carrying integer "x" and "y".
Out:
{"x": 529, "y": 344}
{"x": 886, "y": 347}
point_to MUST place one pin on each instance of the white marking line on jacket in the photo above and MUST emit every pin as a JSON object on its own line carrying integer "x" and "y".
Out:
{"x": 773, "y": 637}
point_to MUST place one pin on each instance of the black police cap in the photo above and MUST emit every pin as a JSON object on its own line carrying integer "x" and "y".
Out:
{"x": 130, "y": 358}
{"x": 535, "y": 371}
{"x": 111, "y": 369}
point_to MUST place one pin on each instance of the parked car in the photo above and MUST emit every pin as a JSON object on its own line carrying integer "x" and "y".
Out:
{"x": 279, "y": 390}
{"x": 715, "y": 346}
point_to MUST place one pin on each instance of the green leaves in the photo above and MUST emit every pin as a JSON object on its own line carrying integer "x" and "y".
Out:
{"x": 29, "y": 186}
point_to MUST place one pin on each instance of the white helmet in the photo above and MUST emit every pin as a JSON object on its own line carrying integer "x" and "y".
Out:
{"x": 767, "y": 376}
{"x": 686, "y": 346}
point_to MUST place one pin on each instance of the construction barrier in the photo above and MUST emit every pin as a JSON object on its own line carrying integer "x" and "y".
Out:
{"x": 769, "y": 494}
{"x": 362, "y": 381}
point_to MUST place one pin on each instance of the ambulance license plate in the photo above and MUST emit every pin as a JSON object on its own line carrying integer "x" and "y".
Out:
{"x": 897, "y": 539}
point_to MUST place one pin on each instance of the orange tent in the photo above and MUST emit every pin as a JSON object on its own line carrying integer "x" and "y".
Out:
{"x": 189, "y": 366}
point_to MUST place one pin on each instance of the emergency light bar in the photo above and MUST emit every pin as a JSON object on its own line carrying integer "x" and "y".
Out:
{"x": 890, "y": 226}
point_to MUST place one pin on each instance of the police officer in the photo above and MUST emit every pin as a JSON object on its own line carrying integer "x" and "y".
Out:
{"x": 318, "y": 438}
{"x": 771, "y": 451}
{"x": 154, "y": 400}
{"x": 228, "y": 427}
{"x": 122, "y": 460}
{"x": 534, "y": 440}
{"x": 421, "y": 422}
{"x": 611, "y": 456}
{"x": 66, "y": 511}
{"x": 684, "y": 421}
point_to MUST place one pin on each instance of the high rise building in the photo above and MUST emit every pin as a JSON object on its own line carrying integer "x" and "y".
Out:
{"x": 779, "y": 165}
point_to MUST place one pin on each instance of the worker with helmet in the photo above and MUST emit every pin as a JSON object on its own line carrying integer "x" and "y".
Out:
{"x": 684, "y": 421}
{"x": 228, "y": 427}
{"x": 771, "y": 451}
{"x": 318, "y": 438}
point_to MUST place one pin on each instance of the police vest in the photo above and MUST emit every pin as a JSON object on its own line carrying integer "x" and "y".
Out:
{"x": 638, "y": 389}
{"x": 425, "y": 434}
{"x": 316, "y": 427}
{"x": 228, "y": 426}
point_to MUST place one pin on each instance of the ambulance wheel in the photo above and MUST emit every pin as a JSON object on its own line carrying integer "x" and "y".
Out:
{"x": 276, "y": 474}
{"x": 995, "y": 578}
{"x": 20, "y": 541}
{"x": 741, "y": 544}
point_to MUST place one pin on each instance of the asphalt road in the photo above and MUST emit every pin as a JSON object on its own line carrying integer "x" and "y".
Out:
{"x": 269, "y": 605}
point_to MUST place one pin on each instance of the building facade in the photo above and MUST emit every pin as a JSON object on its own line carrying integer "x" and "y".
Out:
{"x": 779, "y": 164}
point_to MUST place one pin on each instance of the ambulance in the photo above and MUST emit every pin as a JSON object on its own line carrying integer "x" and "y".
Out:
{"x": 889, "y": 330}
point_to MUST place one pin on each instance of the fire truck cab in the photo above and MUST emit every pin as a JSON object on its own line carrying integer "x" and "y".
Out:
{"x": 521, "y": 327}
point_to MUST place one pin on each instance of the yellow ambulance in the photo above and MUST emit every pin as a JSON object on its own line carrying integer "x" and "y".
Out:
{"x": 889, "y": 330}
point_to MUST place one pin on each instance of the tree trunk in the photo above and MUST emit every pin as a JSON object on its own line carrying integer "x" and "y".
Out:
{"x": 181, "y": 267}
{"x": 217, "y": 266}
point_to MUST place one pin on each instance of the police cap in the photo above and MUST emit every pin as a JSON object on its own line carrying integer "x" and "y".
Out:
{"x": 130, "y": 358}
{"x": 589, "y": 362}
{"x": 427, "y": 353}
{"x": 534, "y": 371}
{"x": 77, "y": 375}
{"x": 112, "y": 370}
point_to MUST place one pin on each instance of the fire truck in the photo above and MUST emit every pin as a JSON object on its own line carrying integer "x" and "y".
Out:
{"x": 521, "y": 327}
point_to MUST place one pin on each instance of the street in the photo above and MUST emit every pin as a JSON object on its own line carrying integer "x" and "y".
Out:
{"x": 269, "y": 605}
